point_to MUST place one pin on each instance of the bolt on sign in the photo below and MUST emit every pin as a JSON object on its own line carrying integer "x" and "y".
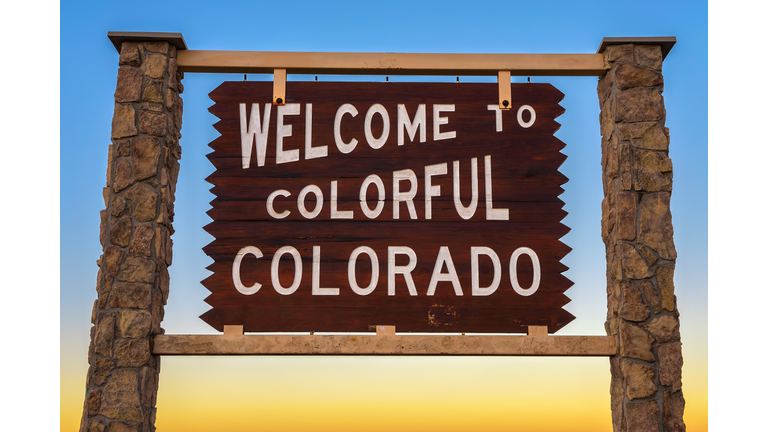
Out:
{"x": 419, "y": 205}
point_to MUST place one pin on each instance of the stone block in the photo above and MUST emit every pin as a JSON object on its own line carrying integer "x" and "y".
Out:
{"x": 123, "y": 147}
{"x": 619, "y": 53}
{"x": 120, "y": 398}
{"x": 642, "y": 416}
{"x": 104, "y": 289}
{"x": 112, "y": 259}
{"x": 153, "y": 93}
{"x": 651, "y": 295}
{"x": 609, "y": 219}
{"x": 142, "y": 240}
{"x": 655, "y": 225}
{"x": 151, "y": 123}
{"x": 173, "y": 67}
{"x": 118, "y": 205}
{"x": 605, "y": 87}
{"x": 120, "y": 234}
{"x": 131, "y": 295}
{"x": 617, "y": 403}
{"x": 645, "y": 135}
{"x": 123, "y": 121}
{"x": 651, "y": 171}
{"x": 129, "y": 54}
{"x": 129, "y": 81}
{"x": 639, "y": 105}
{"x": 671, "y": 365}
{"x": 625, "y": 167}
{"x": 124, "y": 427}
{"x": 649, "y": 255}
{"x": 634, "y": 342}
{"x": 93, "y": 402}
{"x": 148, "y": 387}
{"x": 146, "y": 157}
{"x": 606, "y": 119}
{"x": 133, "y": 324}
{"x": 633, "y": 308}
{"x": 674, "y": 405}
{"x": 165, "y": 283}
{"x": 102, "y": 227}
{"x": 158, "y": 312}
{"x": 626, "y": 215}
{"x": 632, "y": 264}
{"x": 104, "y": 334}
{"x": 639, "y": 379}
{"x": 100, "y": 370}
{"x": 137, "y": 269}
{"x": 96, "y": 426}
{"x": 132, "y": 352}
{"x": 649, "y": 56}
{"x": 157, "y": 47}
{"x": 665, "y": 277}
{"x": 123, "y": 175}
{"x": 144, "y": 198}
{"x": 155, "y": 65}
{"x": 631, "y": 76}
{"x": 664, "y": 329}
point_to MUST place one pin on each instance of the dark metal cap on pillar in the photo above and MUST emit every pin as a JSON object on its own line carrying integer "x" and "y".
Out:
{"x": 666, "y": 43}
{"x": 175, "y": 39}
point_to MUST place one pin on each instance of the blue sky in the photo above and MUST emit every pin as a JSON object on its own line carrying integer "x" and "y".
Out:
{"x": 88, "y": 68}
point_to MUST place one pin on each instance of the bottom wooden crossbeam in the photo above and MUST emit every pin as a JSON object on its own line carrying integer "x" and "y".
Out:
{"x": 384, "y": 344}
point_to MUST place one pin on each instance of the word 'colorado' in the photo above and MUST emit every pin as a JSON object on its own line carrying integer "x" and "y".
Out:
{"x": 443, "y": 259}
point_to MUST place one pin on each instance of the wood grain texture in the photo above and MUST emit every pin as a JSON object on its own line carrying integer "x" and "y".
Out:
{"x": 525, "y": 181}
{"x": 397, "y": 344}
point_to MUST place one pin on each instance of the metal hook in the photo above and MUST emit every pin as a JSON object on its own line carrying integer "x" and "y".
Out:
{"x": 457, "y": 80}
{"x": 245, "y": 77}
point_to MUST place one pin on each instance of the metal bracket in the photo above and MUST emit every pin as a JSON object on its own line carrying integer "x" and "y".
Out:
{"x": 505, "y": 89}
{"x": 538, "y": 331}
{"x": 278, "y": 88}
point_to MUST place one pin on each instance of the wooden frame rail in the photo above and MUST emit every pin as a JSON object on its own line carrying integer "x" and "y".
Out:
{"x": 337, "y": 63}
{"x": 403, "y": 345}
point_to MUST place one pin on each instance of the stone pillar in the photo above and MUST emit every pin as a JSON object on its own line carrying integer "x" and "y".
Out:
{"x": 132, "y": 281}
{"x": 645, "y": 390}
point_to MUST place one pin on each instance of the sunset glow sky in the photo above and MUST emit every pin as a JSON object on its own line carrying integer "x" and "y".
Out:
{"x": 334, "y": 393}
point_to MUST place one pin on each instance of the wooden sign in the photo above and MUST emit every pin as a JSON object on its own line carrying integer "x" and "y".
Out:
{"x": 418, "y": 205}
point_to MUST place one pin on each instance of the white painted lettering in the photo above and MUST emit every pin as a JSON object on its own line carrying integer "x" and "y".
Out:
{"x": 284, "y": 131}
{"x": 253, "y": 289}
{"x": 404, "y": 122}
{"x": 444, "y": 257}
{"x": 437, "y": 121}
{"x": 250, "y": 129}
{"x": 490, "y": 212}
{"x": 376, "y": 143}
{"x": 392, "y": 269}
{"x": 340, "y": 144}
{"x": 352, "y": 276}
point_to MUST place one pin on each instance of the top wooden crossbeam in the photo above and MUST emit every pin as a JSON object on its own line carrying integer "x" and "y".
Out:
{"x": 339, "y": 63}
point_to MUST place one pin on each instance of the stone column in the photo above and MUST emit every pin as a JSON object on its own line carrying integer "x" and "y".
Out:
{"x": 132, "y": 281}
{"x": 646, "y": 390}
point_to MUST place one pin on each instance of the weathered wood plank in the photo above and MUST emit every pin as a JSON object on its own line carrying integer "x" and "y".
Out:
{"x": 385, "y": 345}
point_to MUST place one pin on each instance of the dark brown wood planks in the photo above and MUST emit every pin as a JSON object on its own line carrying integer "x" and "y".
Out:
{"x": 525, "y": 180}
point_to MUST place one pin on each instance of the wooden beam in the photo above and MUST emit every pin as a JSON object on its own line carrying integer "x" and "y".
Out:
{"x": 384, "y": 345}
{"x": 391, "y": 63}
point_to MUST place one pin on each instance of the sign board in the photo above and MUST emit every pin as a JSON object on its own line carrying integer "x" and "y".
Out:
{"x": 418, "y": 205}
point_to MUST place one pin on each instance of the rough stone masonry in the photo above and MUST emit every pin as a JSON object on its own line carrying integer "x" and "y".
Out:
{"x": 646, "y": 381}
{"x": 132, "y": 282}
